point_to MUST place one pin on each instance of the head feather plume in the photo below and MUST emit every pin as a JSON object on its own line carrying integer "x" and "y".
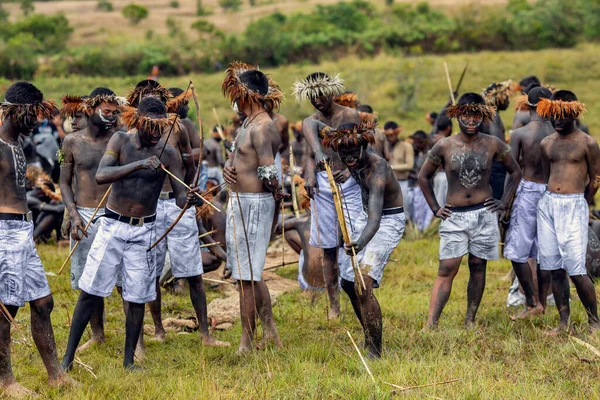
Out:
{"x": 132, "y": 118}
{"x": 560, "y": 109}
{"x": 234, "y": 89}
{"x": 347, "y": 99}
{"x": 175, "y": 103}
{"x": 368, "y": 117}
{"x": 321, "y": 85}
{"x": 275, "y": 96}
{"x": 358, "y": 135}
{"x": 28, "y": 114}
{"x": 455, "y": 111}
{"x": 71, "y": 105}
{"x": 138, "y": 93}
{"x": 90, "y": 103}
{"x": 499, "y": 93}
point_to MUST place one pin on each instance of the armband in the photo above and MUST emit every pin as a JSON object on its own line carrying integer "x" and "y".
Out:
{"x": 434, "y": 159}
{"x": 60, "y": 157}
{"x": 504, "y": 154}
{"x": 111, "y": 153}
{"x": 232, "y": 148}
{"x": 324, "y": 131}
{"x": 267, "y": 172}
{"x": 185, "y": 156}
{"x": 596, "y": 181}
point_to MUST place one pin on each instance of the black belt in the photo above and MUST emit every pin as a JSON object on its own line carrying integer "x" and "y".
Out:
{"x": 392, "y": 211}
{"x": 128, "y": 220}
{"x": 16, "y": 217}
{"x": 472, "y": 207}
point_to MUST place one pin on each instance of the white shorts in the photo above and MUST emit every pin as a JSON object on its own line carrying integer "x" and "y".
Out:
{"x": 474, "y": 231}
{"x": 279, "y": 164}
{"x": 80, "y": 254}
{"x": 328, "y": 235}
{"x": 182, "y": 242}
{"x": 258, "y": 210}
{"x": 440, "y": 187}
{"x": 562, "y": 225}
{"x": 122, "y": 249}
{"x": 215, "y": 173}
{"x": 374, "y": 257}
{"x": 22, "y": 275}
{"x": 420, "y": 211}
{"x": 521, "y": 240}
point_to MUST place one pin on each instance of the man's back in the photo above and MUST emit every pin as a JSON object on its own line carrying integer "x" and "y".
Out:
{"x": 526, "y": 144}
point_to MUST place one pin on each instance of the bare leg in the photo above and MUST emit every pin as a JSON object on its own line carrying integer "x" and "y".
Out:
{"x": 331, "y": 271}
{"x": 81, "y": 317}
{"x": 156, "y": 312}
{"x": 560, "y": 289}
{"x": 293, "y": 238}
{"x": 354, "y": 300}
{"x": 372, "y": 321}
{"x": 248, "y": 316}
{"x": 587, "y": 295}
{"x": 475, "y": 288}
{"x": 523, "y": 272}
{"x": 544, "y": 285}
{"x": 140, "y": 349}
{"x": 97, "y": 325}
{"x": 198, "y": 297}
{"x": 441, "y": 289}
{"x": 133, "y": 329}
{"x": 8, "y": 383}
{"x": 265, "y": 312}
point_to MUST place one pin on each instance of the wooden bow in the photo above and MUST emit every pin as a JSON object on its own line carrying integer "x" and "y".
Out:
{"x": 294, "y": 194}
{"x": 196, "y": 177}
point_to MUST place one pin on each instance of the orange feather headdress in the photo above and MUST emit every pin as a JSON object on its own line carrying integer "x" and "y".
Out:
{"x": 234, "y": 89}
{"x": 28, "y": 113}
{"x": 132, "y": 118}
{"x": 358, "y": 135}
{"x": 455, "y": 111}
{"x": 347, "y": 99}
{"x": 560, "y": 109}
{"x": 139, "y": 92}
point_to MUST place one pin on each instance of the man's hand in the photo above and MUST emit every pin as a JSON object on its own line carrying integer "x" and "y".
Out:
{"x": 494, "y": 205}
{"x": 150, "y": 163}
{"x": 311, "y": 186}
{"x": 65, "y": 228}
{"x": 226, "y": 273}
{"x": 279, "y": 195}
{"x": 229, "y": 174}
{"x": 321, "y": 158}
{"x": 192, "y": 199}
{"x": 357, "y": 246}
{"x": 77, "y": 226}
{"x": 444, "y": 212}
{"x": 341, "y": 176}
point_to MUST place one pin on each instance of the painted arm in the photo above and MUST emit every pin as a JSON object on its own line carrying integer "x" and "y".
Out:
{"x": 75, "y": 225}
{"x": 109, "y": 170}
{"x": 185, "y": 149}
{"x": 511, "y": 165}
{"x": 311, "y": 129}
{"x": 425, "y": 179}
{"x": 375, "y": 207}
{"x": 515, "y": 146}
{"x": 593, "y": 161}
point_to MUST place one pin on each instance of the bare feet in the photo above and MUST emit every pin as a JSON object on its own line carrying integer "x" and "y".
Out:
{"x": 245, "y": 345}
{"x": 529, "y": 312}
{"x": 140, "y": 352}
{"x": 270, "y": 338}
{"x": 334, "y": 312}
{"x": 209, "y": 341}
{"x": 63, "y": 381}
{"x": 16, "y": 391}
{"x": 91, "y": 343}
{"x": 559, "y": 330}
{"x": 159, "y": 337}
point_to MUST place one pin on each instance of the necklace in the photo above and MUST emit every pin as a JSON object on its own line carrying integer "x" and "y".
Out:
{"x": 246, "y": 123}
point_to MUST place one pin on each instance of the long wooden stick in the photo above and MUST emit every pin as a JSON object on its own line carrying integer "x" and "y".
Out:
{"x": 461, "y": 77}
{"x": 12, "y": 321}
{"x": 587, "y": 345}
{"x": 85, "y": 230}
{"x": 210, "y": 244}
{"x": 449, "y": 84}
{"x": 294, "y": 194}
{"x": 362, "y": 358}
{"x": 282, "y": 231}
{"x": 402, "y": 388}
{"x": 280, "y": 265}
{"x": 207, "y": 233}
{"x": 187, "y": 187}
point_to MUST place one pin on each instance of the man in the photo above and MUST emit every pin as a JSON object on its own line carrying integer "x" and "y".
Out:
{"x": 215, "y": 158}
{"x": 179, "y": 105}
{"x": 419, "y": 210}
{"x": 283, "y": 127}
{"x": 320, "y": 89}
{"x": 380, "y": 146}
{"x": 526, "y": 84}
{"x": 571, "y": 161}
{"x": 127, "y": 230}
{"x": 298, "y": 147}
{"x": 82, "y": 152}
{"x": 378, "y": 231}
{"x": 469, "y": 222}
{"x": 21, "y": 271}
{"x": 252, "y": 175}
{"x": 402, "y": 158}
{"x": 521, "y": 242}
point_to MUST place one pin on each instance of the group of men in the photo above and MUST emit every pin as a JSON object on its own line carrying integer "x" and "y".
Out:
{"x": 130, "y": 181}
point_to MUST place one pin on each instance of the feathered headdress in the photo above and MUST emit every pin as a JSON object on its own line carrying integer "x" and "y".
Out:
{"x": 560, "y": 109}
{"x": 234, "y": 89}
{"x": 132, "y": 118}
{"x": 455, "y": 111}
{"x": 368, "y": 117}
{"x": 522, "y": 103}
{"x": 174, "y": 103}
{"x": 71, "y": 105}
{"x": 74, "y": 104}
{"x": 138, "y": 93}
{"x": 28, "y": 114}
{"x": 358, "y": 135}
{"x": 499, "y": 93}
{"x": 347, "y": 99}
{"x": 317, "y": 85}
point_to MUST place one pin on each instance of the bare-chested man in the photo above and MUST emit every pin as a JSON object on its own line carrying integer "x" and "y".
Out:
{"x": 82, "y": 151}
{"x": 522, "y": 118}
{"x": 402, "y": 158}
{"x": 320, "y": 89}
{"x": 377, "y": 231}
{"x": 215, "y": 157}
{"x": 21, "y": 271}
{"x": 252, "y": 175}
{"x": 283, "y": 127}
{"x": 380, "y": 145}
{"x": 298, "y": 147}
{"x": 469, "y": 219}
{"x": 571, "y": 161}
{"x": 127, "y": 229}
{"x": 521, "y": 242}
{"x": 180, "y": 105}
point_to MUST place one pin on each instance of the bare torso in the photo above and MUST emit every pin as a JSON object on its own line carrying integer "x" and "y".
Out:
{"x": 380, "y": 142}
{"x": 181, "y": 143}
{"x": 13, "y": 197}
{"x": 525, "y": 146}
{"x": 521, "y": 119}
{"x": 340, "y": 116}
{"x": 378, "y": 170}
{"x": 214, "y": 148}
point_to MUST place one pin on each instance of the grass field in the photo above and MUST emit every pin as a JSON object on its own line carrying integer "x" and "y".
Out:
{"x": 498, "y": 359}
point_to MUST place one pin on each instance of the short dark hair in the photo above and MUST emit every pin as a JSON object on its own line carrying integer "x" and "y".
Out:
{"x": 529, "y": 80}
{"x": 317, "y": 75}
{"x": 151, "y": 83}
{"x": 390, "y": 125}
{"x": 23, "y": 93}
{"x": 564, "y": 95}
{"x": 433, "y": 115}
{"x": 443, "y": 122}
{"x": 255, "y": 81}
{"x": 175, "y": 91}
{"x": 101, "y": 91}
{"x": 419, "y": 135}
{"x": 365, "y": 108}
{"x": 470, "y": 98}
{"x": 537, "y": 93}
{"x": 151, "y": 105}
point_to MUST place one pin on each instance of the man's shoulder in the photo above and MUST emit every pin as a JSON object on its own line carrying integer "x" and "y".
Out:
{"x": 548, "y": 139}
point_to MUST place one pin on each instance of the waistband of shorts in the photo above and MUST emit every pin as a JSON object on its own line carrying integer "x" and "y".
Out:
{"x": 472, "y": 207}
{"x": 392, "y": 211}
{"x": 79, "y": 208}
{"x": 533, "y": 185}
{"x": 166, "y": 196}
{"x": 254, "y": 196}
{"x": 27, "y": 217}
{"x": 136, "y": 221}
{"x": 564, "y": 195}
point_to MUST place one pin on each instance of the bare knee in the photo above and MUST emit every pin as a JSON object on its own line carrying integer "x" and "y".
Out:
{"x": 477, "y": 264}
{"x": 43, "y": 306}
{"x": 448, "y": 270}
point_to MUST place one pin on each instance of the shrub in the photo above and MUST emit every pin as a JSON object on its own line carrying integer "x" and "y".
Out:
{"x": 53, "y": 31}
{"x": 19, "y": 56}
{"x": 27, "y": 7}
{"x": 174, "y": 4}
{"x": 104, "y": 5}
{"x": 135, "y": 13}
{"x": 233, "y": 5}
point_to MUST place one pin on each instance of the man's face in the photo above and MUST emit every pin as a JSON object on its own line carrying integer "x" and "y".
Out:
{"x": 391, "y": 136}
{"x": 564, "y": 126}
{"x": 79, "y": 122}
{"x": 106, "y": 115}
{"x": 470, "y": 123}
{"x": 322, "y": 103}
{"x": 420, "y": 144}
{"x": 151, "y": 138}
{"x": 351, "y": 156}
